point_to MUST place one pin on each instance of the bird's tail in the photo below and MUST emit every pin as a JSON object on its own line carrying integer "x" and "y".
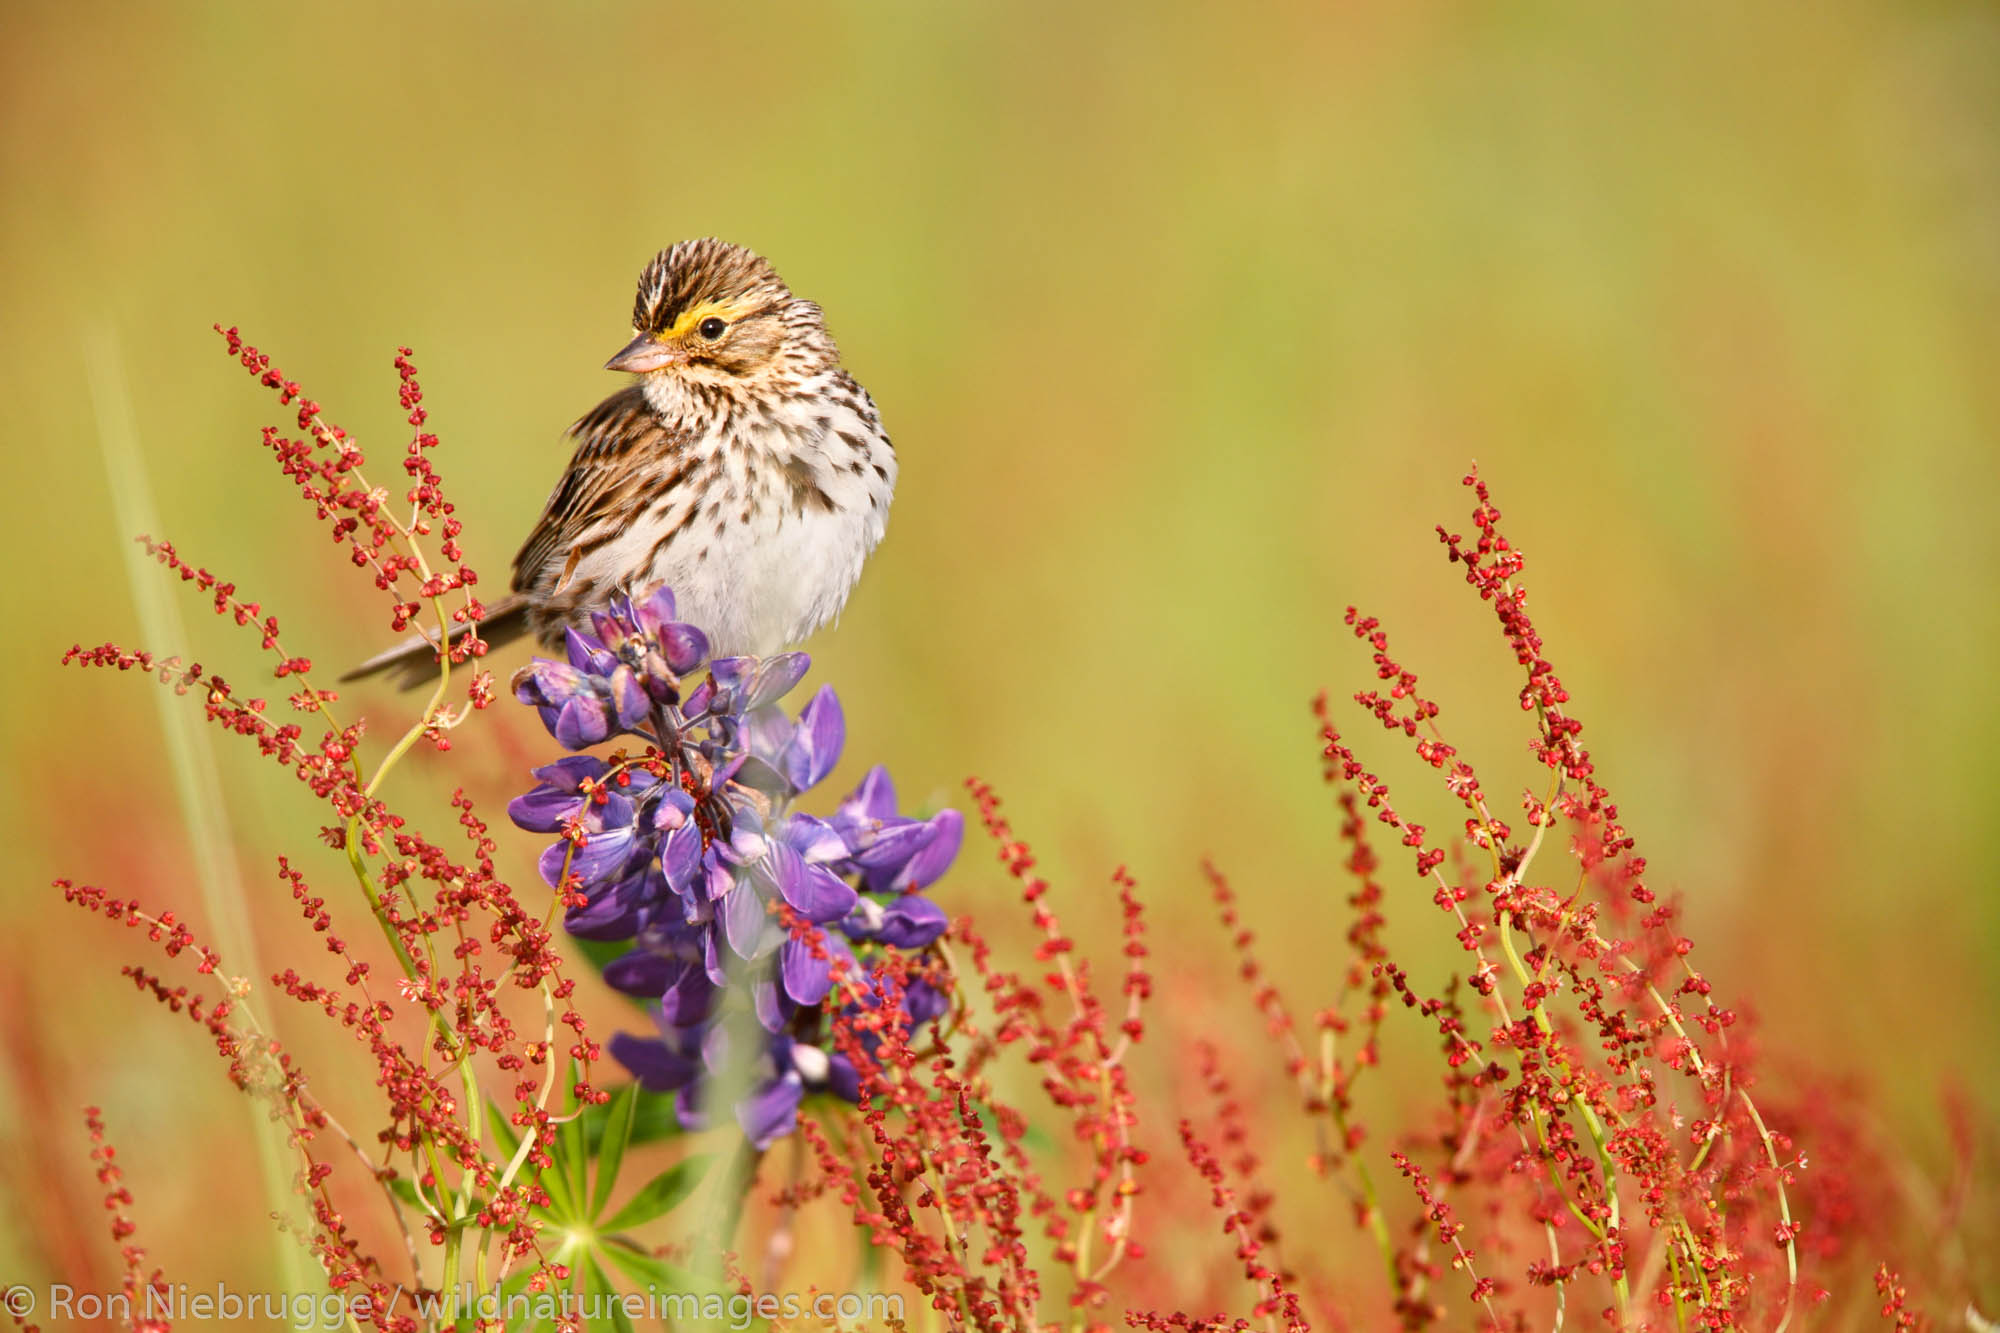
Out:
{"x": 414, "y": 663}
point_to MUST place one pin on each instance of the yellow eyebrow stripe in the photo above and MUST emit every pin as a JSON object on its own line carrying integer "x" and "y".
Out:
{"x": 695, "y": 314}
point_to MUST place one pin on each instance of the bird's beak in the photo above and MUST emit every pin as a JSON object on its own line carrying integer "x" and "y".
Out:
{"x": 644, "y": 353}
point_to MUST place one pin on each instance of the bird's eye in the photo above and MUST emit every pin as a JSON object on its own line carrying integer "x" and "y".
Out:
{"x": 711, "y": 328}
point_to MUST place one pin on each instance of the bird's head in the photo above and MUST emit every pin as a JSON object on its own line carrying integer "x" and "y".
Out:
{"x": 713, "y": 313}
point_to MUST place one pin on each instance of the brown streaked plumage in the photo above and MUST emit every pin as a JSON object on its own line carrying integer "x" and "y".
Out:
{"x": 743, "y": 467}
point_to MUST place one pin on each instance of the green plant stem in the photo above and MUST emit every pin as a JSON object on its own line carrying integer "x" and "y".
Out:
{"x": 197, "y": 781}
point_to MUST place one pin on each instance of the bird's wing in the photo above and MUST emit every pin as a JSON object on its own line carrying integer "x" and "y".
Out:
{"x": 620, "y": 444}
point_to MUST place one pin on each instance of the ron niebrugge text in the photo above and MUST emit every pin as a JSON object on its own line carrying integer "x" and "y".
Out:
{"x": 332, "y": 1310}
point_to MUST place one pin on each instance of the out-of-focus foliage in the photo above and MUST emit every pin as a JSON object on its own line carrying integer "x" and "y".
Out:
{"x": 1185, "y": 322}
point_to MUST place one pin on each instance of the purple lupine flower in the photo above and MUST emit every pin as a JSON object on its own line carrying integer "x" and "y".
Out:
{"x": 691, "y": 850}
{"x": 681, "y": 1059}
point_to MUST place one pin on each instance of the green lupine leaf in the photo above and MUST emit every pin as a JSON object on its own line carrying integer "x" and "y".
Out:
{"x": 503, "y": 1130}
{"x": 576, "y": 1155}
{"x": 662, "y": 1193}
{"x": 562, "y": 1205}
{"x": 619, "y": 1319}
{"x": 517, "y": 1282}
{"x": 662, "y": 1278}
{"x": 610, "y": 1152}
{"x": 555, "y": 1179}
{"x": 655, "y": 1119}
{"x": 657, "y": 1274}
{"x": 599, "y": 952}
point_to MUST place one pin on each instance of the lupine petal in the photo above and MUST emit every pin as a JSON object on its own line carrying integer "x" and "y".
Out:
{"x": 659, "y": 680}
{"x": 606, "y": 915}
{"x": 767, "y": 732}
{"x": 602, "y": 858}
{"x": 747, "y": 842}
{"x": 617, "y": 811}
{"x": 634, "y": 704}
{"x": 725, "y": 770}
{"x": 816, "y": 745}
{"x": 815, "y": 893}
{"x": 655, "y": 1066}
{"x": 689, "y": 999}
{"x": 680, "y": 858}
{"x": 772, "y": 1111}
{"x": 582, "y": 721}
{"x": 569, "y": 772}
{"x": 774, "y": 679}
{"x": 684, "y": 646}
{"x": 672, "y": 811}
{"x": 768, "y": 1005}
{"x": 807, "y": 979}
{"x": 721, "y": 879}
{"x": 885, "y": 855}
{"x": 841, "y": 1078}
{"x": 745, "y": 924}
{"x": 755, "y": 773}
{"x": 912, "y": 922}
{"x": 586, "y": 652}
{"x": 655, "y": 611}
{"x": 608, "y": 625}
{"x": 553, "y": 682}
{"x": 531, "y": 684}
{"x": 731, "y": 675}
{"x": 617, "y": 910}
{"x": 552, "y": 860}
{"x": 814, "y": 839}
{"x": 544, "y": 809}
{"x": 874, "y": 798}
{"x": 924, "y": 1002}
{"x": 643, "y": 973}
{"x": 865, "y": 920}
{"x": 927, "y": 867}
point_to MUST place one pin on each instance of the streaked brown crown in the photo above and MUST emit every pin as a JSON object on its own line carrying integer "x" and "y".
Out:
{"x": 685, "y": 275}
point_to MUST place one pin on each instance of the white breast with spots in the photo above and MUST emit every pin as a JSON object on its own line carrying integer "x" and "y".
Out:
{"x": 757, "y": 560}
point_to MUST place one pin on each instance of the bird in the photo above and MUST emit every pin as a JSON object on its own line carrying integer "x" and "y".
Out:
{"x": 742, "y": 466}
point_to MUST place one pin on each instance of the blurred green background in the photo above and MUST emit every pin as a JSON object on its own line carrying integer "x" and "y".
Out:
{"x": 1186, "y": 321}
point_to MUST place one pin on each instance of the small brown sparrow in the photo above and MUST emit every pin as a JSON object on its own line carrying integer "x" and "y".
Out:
{"x": 743, "y": 467}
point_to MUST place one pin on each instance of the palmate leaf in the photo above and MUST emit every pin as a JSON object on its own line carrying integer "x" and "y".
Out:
{"x": 562, "y": 1204}
{"x": 503, "y": 1129}
{"x": 661, "y": 1194}
{"x": 574, "y": 1159}
{"x": 587, "y": 1155}
{"x": 608, "y": 1301}
{"x": 653, "y": 1120}
{"x": 563, "y": 1207}
{"x": 517, "y": 1283}
{"x": 610, "y": 1152}
{"x": 656, "y": 1274}
{"x": 656, "y": 1119}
